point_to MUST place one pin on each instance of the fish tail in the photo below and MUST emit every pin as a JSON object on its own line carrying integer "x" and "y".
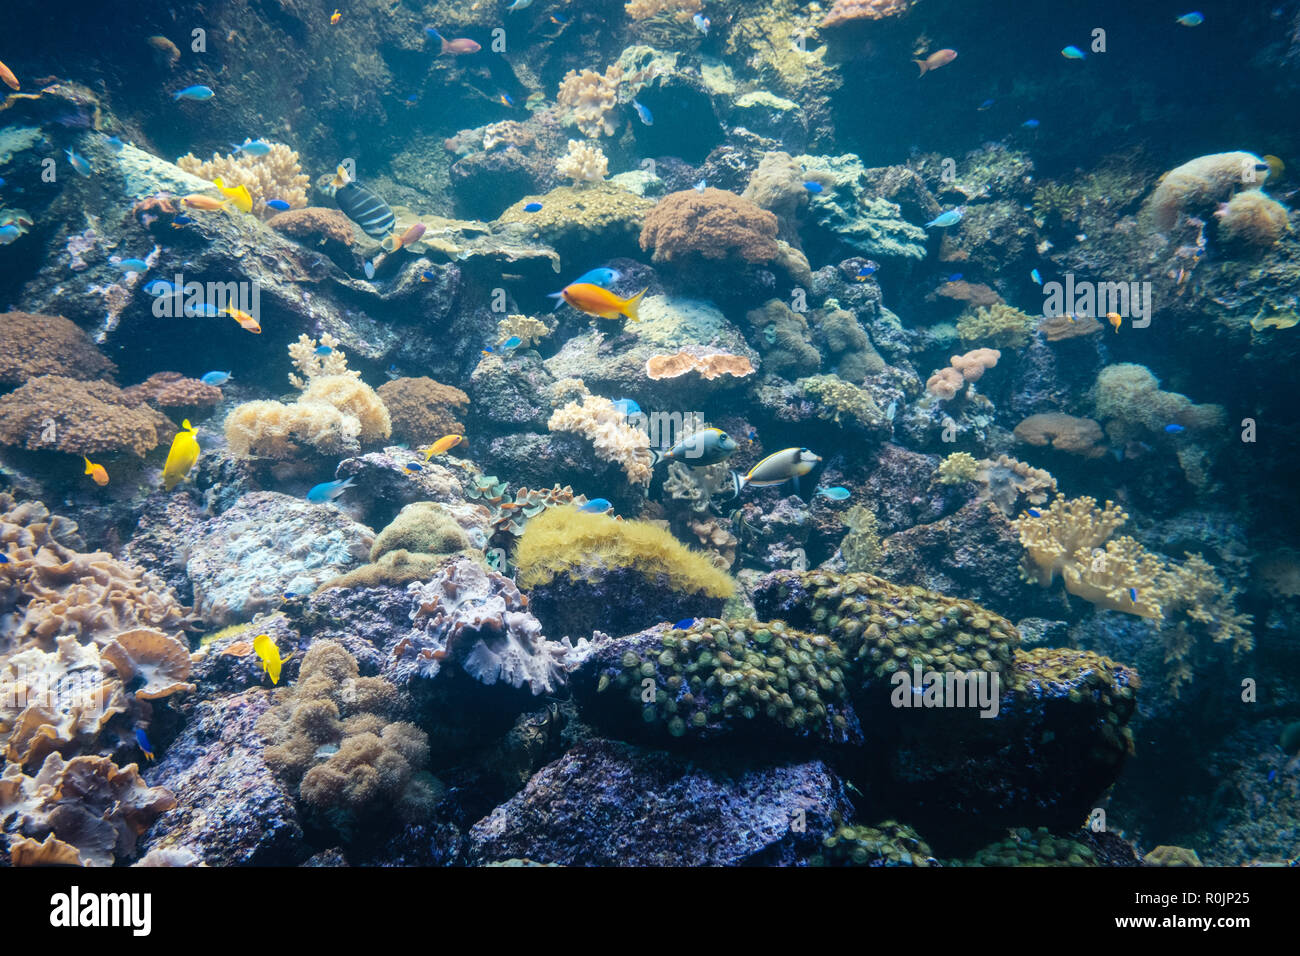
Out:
{"x": 392, "y": 243}
{"x": 921, "y": 64}
{"x": 632, "y": 305}
{"x": 738, "y": 482}
{"x": 89, "y": 467}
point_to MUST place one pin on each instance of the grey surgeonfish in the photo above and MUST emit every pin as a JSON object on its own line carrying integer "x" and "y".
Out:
{"x": 708, "y": 446}
{"x": 788, "y": 464}
{"x": 362, "y": 206}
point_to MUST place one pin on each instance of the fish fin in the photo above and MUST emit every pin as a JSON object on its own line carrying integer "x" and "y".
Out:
{"x": 88, "y": 465}
{"x": 738, "y": 483}
{"x": 631, "y": 306}
{"x": 921, "y": 64}
{"x": 658, "y": 457}
{"x": 391, "y": 243}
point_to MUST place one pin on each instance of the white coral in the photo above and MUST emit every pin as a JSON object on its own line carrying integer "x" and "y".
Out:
{"x": 584, "y": 163}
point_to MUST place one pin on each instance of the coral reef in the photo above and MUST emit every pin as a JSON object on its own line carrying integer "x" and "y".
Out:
{"x": 849, "y": 208}
{"x": 681, "y": 10}
{"x": 34, "y": 345}
{"x": 711, "y": 224}
{"x": 1067, "y": 433}
{"x": 596, "y": 419}
{"x": 422, "y": 410}
{"x": 1010, "y": 484}
{"x": 173, "y": 390}
{"x": 83, "y": 418}
{"x": 274, "y": 175}
{"x": 588, "y": 100}
{"x": 999, "y": 325}
{"x": 846, "y": 11}
{"x": 947, "y": 382}
{"x": 583, "y": 163}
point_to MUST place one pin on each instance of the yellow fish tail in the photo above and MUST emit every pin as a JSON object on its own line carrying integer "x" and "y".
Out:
{"x": 632, "y": 305}
{"x": 89, "y": 467}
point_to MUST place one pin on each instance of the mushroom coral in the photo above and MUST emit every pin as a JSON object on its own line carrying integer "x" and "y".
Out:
{"x": 709, "y": 223}
{"x": 161, "y": 661}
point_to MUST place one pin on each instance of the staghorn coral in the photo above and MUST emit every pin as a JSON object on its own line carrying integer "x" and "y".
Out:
{"x": 597, "y": 419}
{"x": 999, "y": 324}
{"x": 422, "y": 410}
{"x": 173, "y": 390}
{"x": 33, "y": 345}
{"x": 1196, "y": 188}
{"x": 1252, "y": 219}
{"x": 583, "y": 163}
{"x": 529, "y": 331}
{"x": 336, "y": 738}
{"x": 709, "y": 366}
{"x": 82, "y": 418}
{"x": 846, "y": 11}
{"x": 276, "y": 175}
{"x": 588, "y": 100}
{"x": 957, "y": 468}
{"x": 56, "y": 700}
{"x": 89, "y": 804}
{"x": 160, "y": 661}
{"x": 709, "y": 223}
{"x": 1067, "y": 433}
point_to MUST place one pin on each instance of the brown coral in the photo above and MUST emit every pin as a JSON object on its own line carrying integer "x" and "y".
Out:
{"x": 173, "y": 390}
{"x": 846, "y": 11}
{"x": 974, "y": 293}
{"x": 1252, "y": 219}
{"x": 947, "y": 382}
{"x": 315, "y": 225}
{"x": 680, "y": 10}
{"x": 1067, "y": 433}
{"x": 423, "y": 410}
{"x": 588, "y": 100}
{"x": 710, "y": 223}
{"x": 275, "y": 175}
{"x": 65, "y": 414}
{"x": 1057, "y": 328}
{"x": 161, "y": 661}
{"x": 710, "y": 366}
{"x": 32, "y": 345}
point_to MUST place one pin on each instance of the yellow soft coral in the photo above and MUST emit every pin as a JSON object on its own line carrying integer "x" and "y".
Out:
{"x": 583, "y": 163}
{"x": 276, "y": 175}
{"x": 1061, "y": 531}
{"x": 312, "y": 364}
{"x": 588, "y": 100}
{"x": 615, "y": 440}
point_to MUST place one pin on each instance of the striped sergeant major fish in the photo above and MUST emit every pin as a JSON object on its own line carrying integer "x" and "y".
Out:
{"x": 362, "y": 206}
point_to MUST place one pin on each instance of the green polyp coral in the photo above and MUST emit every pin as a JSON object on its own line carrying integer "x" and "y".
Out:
{"x": 869, "y": 224}
{"x": 999, "y": 326}
{"x": 566, "y": 541}
{"x": 956, "y": 469}
{"x": 597, "y": 212}
{"x": 719, "y": 674}
{"x": 884, "y": 626}
{"x": 1056, "y": 204}
{"x": 841, "y": 402}
{"x": 1025, "y": 847}
{"x": 411, "y": 548}
{"x": 861, "y": 546}
{"x": 1083, "y": 677}
{"x": 888, "y": 843}
{"x": 1172, "y": 856}
{"x": 784, "y": 340}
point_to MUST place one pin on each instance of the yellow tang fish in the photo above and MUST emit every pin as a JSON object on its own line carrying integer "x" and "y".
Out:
{"x": 265, "y": 648}
{"x": 184, "y": 453}
{"x": 238, "y": 195}
{"x": 595, "y": 300}
{"x": 97, "y": 473}
{"x": 443, "y": 444}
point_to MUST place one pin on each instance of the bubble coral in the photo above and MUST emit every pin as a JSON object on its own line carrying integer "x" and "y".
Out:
{"x": 596, "y": 418}
{"x": 33, "y": 345}
{"x": 583, "y": 163}
{"x": 423, "y": 410}
{"x": 276, "y": 175}
{"x": 588, "y": 100}
{"x": 82, "y": 418}
{"x": 709, "y": 223}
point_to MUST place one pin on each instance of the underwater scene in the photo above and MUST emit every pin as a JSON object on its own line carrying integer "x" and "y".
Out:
{"x": 635, "y": 433}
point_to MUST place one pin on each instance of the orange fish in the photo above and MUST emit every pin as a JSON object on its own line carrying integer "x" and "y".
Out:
{"x": 935, "y": 60}
{"x": 442, "y": 445}
{"x": 335, "y": 17}
{"x": 7, "y": 75}
{"x": 206, "y": 203}
{"x": 1115, "y": 319}
{"x": 245, "y": 320}
{"x": 97, "y": 473}
{"x": 595, "y": 300}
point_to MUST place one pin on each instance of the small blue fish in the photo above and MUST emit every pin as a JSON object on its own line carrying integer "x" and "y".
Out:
{"x": 867, "y": 270}
{"x": 626, "y": 407}
{"x": 215, "y": 378}
{"x": 78, "y": 162}
{"x": 512, "y": 343}
{"x": 114, "y": 143}
{"x": 1036, "y": 276}
{"x": 413, "y": 99}
{"x": 701, "y": 23}
{"x": 2, "y": 180}
{"x": 143, "y": 742}
{"x": 559, "y": 19}
{"x": 533, "y": 207}
{"x": 1133, "y": 595}
{"x": 814, "y": 187}
{"x": 603, "y": 277}
{"x": 1272, "y": 775}
{"x": 328, "y": 490}
{"x": 368, "y": 268}
{"x": 1033, "y": 512}
{"x": 277, "y": 204}
{"x": 413, "y": 466}
{"x": 8, "y": 234}
{"x": 323, "y": 350}
{"x": 133, "y": 265}
{"x": 194, "y": 93}
{"x": 700, "y": 186}
{"x": 393, "y": 372}
{"x": 1073, "y": 53}
{"x": 252, "y": 147}
{"x": 195, "y": 309}
{"x": 160, "y": 287}
{"x": 1193, "y": 19}
{"x": 985, "y": 105}
{"x": 597, "y": 506}
{"x": 505, "y": 99}
{"x": 945, "y": 219}
{"x": 835, "y": 494}
{"x": 4, "y": 559}
{"x": 1174, "y": 429}
{"x": 182, "y": 221}
{"x": 1030, "y": 124}
{"x": 952, "y": 277}
{"x": 644, "y": 112}
{"x": 488, "y": 349}
{"x": 685, "y": 624}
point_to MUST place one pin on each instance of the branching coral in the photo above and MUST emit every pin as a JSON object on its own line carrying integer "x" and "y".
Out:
{"x": 583, "y": 163}
{"x": 275, "y": 175}
{"x": 527, "y": 329}
{"x": 999, "y": 325}
{"x": 697, "y": 486}
{"x": 335, "y": 737}
{"x": 90, "y": 806}
{"x": 1067, "y": 433}
{"x": 709, "y": 223}
{"x": 588, "y": 100}
{"x": 83, "y": 418}
{"x": 597, "y": 419}
{"x": 1062, "y": 531}
{"x": 422, "y": 410}
{"x": 957, "y": 468}
{"x": 308, "y": 360}
{"x": 32, "y": 345}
